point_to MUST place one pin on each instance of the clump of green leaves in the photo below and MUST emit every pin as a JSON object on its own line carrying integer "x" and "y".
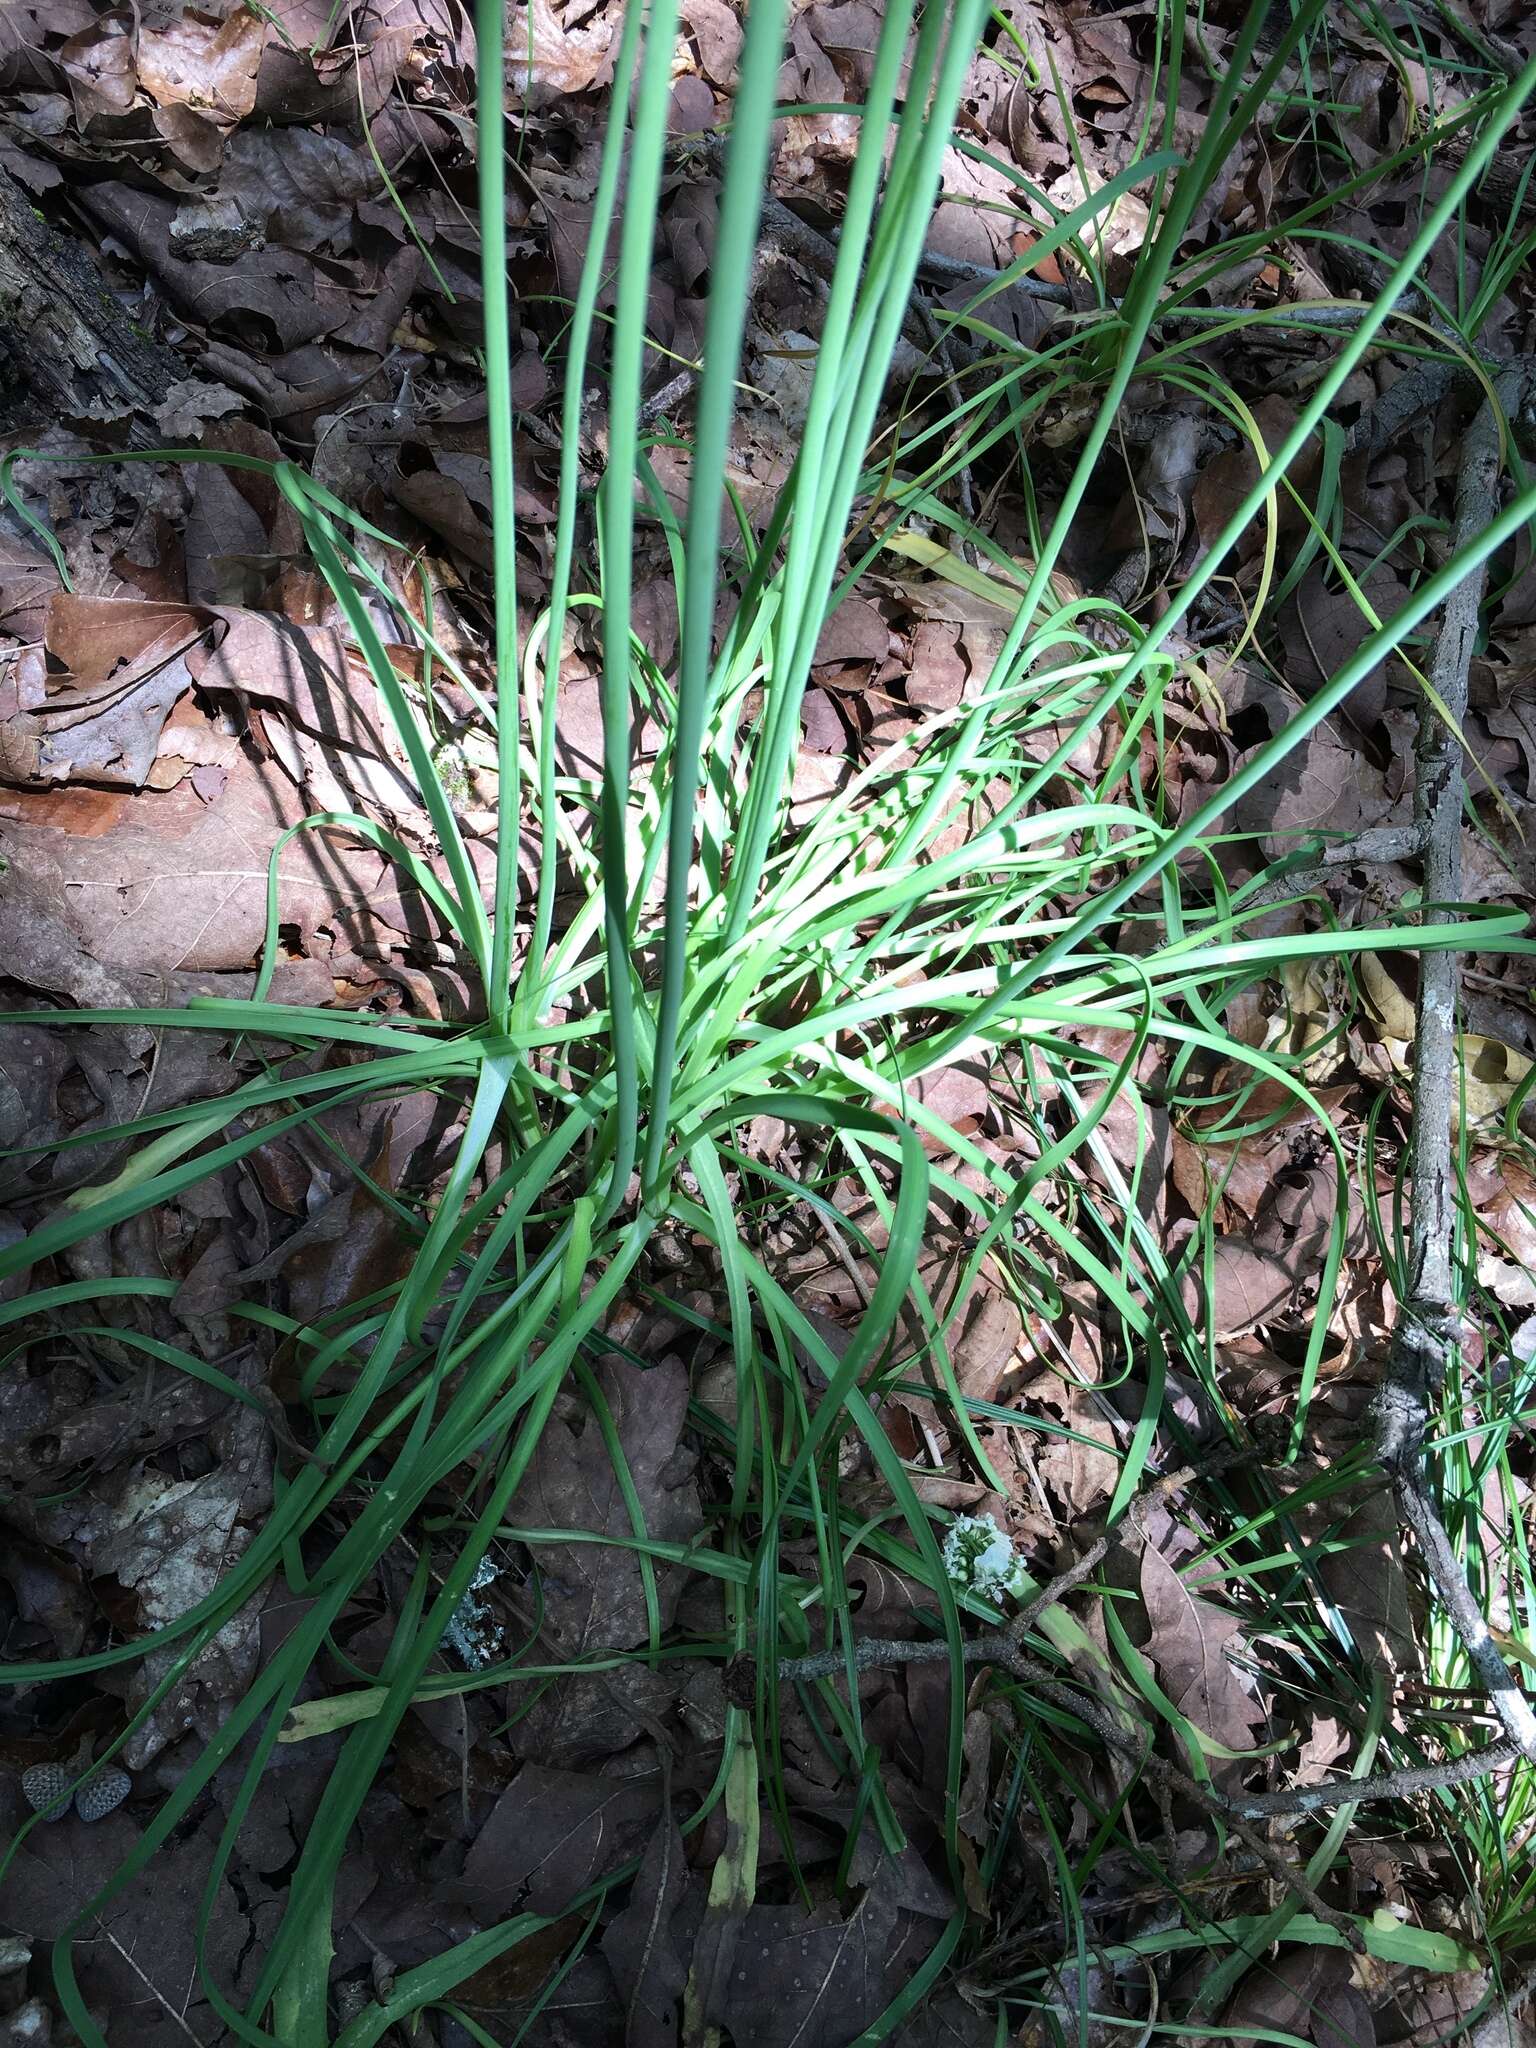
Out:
{"x": 605, "y": 1097}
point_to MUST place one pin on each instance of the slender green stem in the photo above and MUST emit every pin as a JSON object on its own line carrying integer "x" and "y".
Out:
{"x": 729, "y": 296}
{"x": 573, "y": 400}
{"x": 618, "y": 505}
{"x": 490, "y": 87}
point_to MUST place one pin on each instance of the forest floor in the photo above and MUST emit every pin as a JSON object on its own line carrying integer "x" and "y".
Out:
{"x": 282, "y": 206}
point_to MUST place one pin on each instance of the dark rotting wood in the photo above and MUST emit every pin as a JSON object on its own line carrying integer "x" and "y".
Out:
{"x": 68, "y": 349}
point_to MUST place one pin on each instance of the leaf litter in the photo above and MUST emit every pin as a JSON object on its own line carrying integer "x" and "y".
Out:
{"x": 286, "y": 200}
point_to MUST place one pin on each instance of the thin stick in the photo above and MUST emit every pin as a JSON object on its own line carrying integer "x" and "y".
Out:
{"x": 1149, "y": 1496}
{"x": 1405, "y": 1784}
{"x": 1427, "y": 1327}
{"x": 1044, "y": 1684}
{"x": 177, "y": 2019}
{"x": 1381, "y": 845}
{"x": 1165, "y": 1777}
{"x": 1004, "y": 1647}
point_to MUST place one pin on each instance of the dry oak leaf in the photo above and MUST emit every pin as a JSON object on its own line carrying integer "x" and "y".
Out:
{"x": 641, "y": 1946}
{"x": 28, "y": 578}
{"x": 177, "y": 883}
{"x": 1488, "y": 1072}
{"x": 595, "y": 1597}
{"x": 816, "y": 1980}
{"x": 1304, "y": 1993}
{"x": 1247, "y": 1286}
{"x": 201, "y": 74}
{"x": 717, "y": 32}
{"x": 92, "y": 701}
{"x": 546, "y": 61}
{"x": 550, "y": 1835}
{"x": 196, "y": 60}
{"x": 98, "y": 62}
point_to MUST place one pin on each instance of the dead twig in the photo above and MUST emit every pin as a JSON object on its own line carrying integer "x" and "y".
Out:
{"x": 1427, "y": 1327}
{"x": 1004, "y": 1648}
{"x": 1045, "y": 1685}
{"x": 1405, "y": 1784}
{"x": 1150, "y": 1496}
{"x": 177, "y": 2019}
{"x": 1380, "y": 846}
{"x": 1039, "y": 1680}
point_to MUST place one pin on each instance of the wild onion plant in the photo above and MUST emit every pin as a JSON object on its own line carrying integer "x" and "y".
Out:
{"x": 720, "y": 964}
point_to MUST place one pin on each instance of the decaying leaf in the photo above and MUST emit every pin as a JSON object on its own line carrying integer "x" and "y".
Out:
{"x": 1189, "y": 1643}
{"x": 182, "y": 884}
{"x": 1306, "y": 1993}
{"x": 594, "y": 1599}
{"x": 641, "y": 1945}
{"x": 201, "y": 73}
{"x": 546, "y": 61}
{"x": 91, "y": 702}
{"x": 550, "y": 1835}
{"x": 167, "y": 1543}
{"x": 1488, "y": 1072}
{"x": 818, "y": 1979}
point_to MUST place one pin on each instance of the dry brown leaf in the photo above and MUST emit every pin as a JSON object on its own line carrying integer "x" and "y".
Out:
{"x": 99, "y": 65}
{"x": 1321, "y": 626}
{"x": 1302, "y": 1994}
{"x": 641, "y": 1947}
{"x": 335, "y": 737}
{"x": 201, "y": 72}
{"x": 1228, "y": 477}
{"x": 546, "y": 61}
{"x": 1322, "y": 787}
{"x": 1189, "y": 1641}
{"x": 169, "y": 1542}
{"x": 594, "y": 1598}
{"x": 1488, "y": 1071}
{"x": 1082, "y": 1475}
{"x": 92, "y": 701}
{"x": 179, "y": 884}
{"x": 548, "y": 1836}
{"x": 717, "y": 31}
{"x": 819, "y": 1979}
{"x": 28, "y": 579}
{"x": 1361, "y": 1568}
{"x": 1247, "y": 1287}
{"x": 1312, "y": 1035}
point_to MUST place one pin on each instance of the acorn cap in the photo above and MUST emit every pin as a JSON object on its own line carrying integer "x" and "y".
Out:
{"x": 46, "y": 1789}
{"x": 102, "y": 1792}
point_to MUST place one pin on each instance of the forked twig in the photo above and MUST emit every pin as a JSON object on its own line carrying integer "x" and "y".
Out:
{"x": 1003, "y": 1647}
{"x": 1044, "y": 1683}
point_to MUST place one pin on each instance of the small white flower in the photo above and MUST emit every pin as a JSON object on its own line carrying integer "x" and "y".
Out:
{"x": 471, "y": 1633}
{"x": 979, "y": 1558}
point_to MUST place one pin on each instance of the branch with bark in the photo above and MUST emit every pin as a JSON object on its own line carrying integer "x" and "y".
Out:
{"x": 67, "y": 348}
{"x": 1426, "y": 1334}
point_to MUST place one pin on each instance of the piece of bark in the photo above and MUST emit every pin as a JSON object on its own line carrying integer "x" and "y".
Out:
{"x": 67, "y": 347}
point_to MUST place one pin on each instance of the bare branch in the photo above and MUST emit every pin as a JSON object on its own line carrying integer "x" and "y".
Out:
{"x": 1044, "y": 1683}
{"x": 1426, "y": 1331}
{"x": 1405, "y": 1784}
